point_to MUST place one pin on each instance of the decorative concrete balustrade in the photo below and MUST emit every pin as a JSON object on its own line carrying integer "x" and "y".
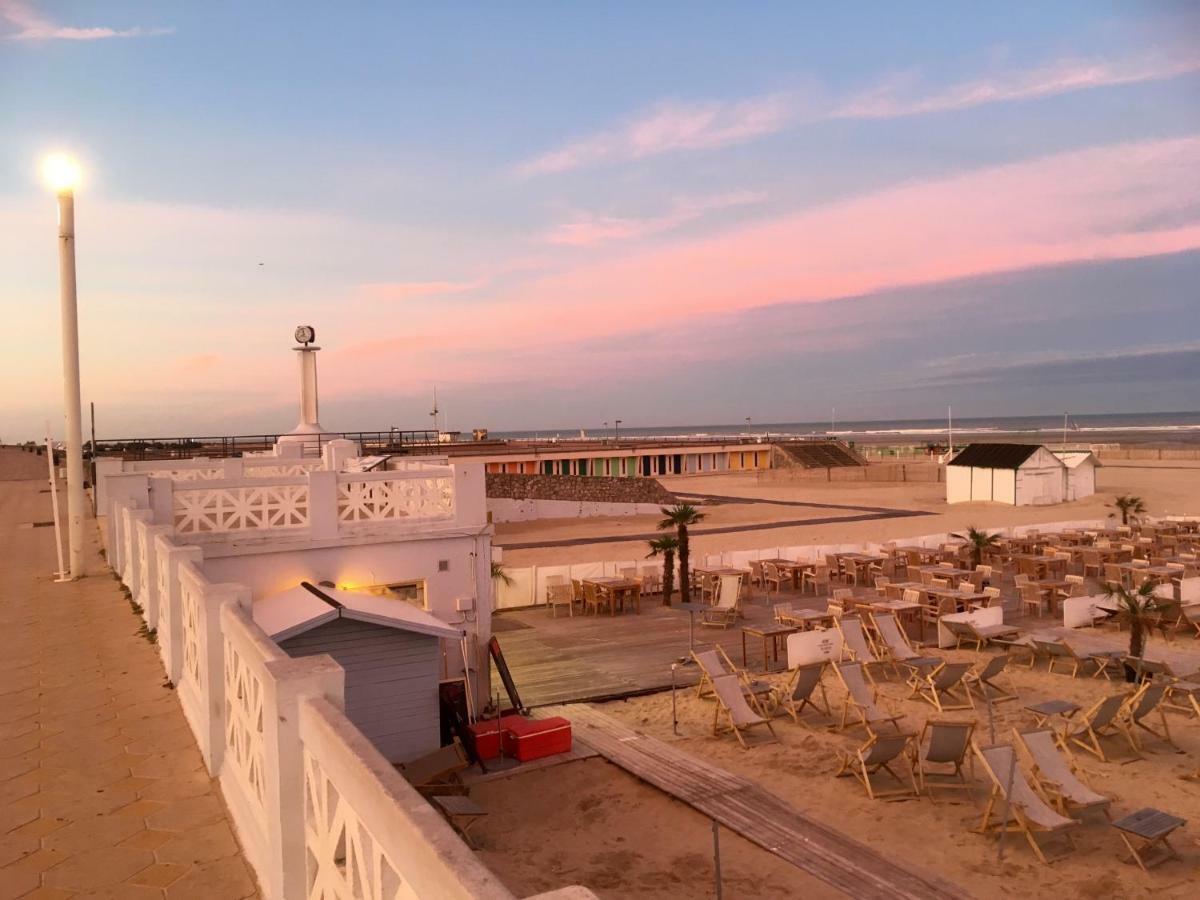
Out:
{"x": 319, "y": 812}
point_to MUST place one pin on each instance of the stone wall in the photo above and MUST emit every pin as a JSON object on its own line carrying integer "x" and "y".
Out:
{"x": 578, "y": 488}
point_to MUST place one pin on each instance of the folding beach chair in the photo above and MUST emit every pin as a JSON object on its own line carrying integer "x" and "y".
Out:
{"x": 878, "y": 754}
{"x": 855, "y": 645}
{"x": 715, "y": 663}
{"x": 943, "y": 687}
{"x": 1027, "y": 813}
{"x": 1056, "y": 776}
{"x": 979, "y": 635}
{"x": 726, "y": 610}
{"x": 733, "y": 713}
{"x": 943, "y": 743}
{"x": 800, "y": 690}
{"x": 1099, "y": 721}
{"x": 1138, "y": 709}
{"x": 861, "y": 698}
{"x": 1057, "y": 650}
{"x": 894, "y": 645}
{"x": 986, "y": 679}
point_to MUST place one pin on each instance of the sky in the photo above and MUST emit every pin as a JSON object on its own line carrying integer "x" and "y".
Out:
{"x": 564, "y": 214}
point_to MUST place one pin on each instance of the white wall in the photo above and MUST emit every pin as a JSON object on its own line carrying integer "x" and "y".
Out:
{"x": 1081, "y": 481}
{"x": 958, "y": 484}
{"x": 504, "y": 509}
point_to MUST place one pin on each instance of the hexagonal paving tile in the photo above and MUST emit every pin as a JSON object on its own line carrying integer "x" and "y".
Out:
{"x": 228, "y": 879}
{"x": 183, "y": 815}
{"x": 97, "y": 868}
{"x": 199, "y": 845}
{"x": 98, "y": 831}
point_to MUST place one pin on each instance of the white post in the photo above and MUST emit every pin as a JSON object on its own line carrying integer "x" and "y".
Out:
{"x": 70, "y": 351}
{"x": 62, "y": 572}
{"x": 950, "y": 428}
{"x": 308, "y": 386}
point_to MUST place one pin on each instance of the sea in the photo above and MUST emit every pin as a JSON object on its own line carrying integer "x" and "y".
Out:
{"x": 1157, "y": 428}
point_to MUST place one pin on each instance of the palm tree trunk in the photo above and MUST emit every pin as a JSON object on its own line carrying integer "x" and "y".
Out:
{"x": 685, "y": 586}
{"x": 668, "y": 576}
{"x": 1137, "y": 645}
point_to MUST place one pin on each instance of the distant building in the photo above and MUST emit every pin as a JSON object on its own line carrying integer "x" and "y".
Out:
{"x": 1016, "y": 474}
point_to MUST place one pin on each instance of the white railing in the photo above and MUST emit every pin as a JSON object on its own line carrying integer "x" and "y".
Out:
{"x": 222, "y": 507}
{"x": 318, "y": 811}
{"x": 420, "y": 495}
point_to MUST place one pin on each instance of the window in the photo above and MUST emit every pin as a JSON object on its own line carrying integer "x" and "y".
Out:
{"x": 408, "y": 591}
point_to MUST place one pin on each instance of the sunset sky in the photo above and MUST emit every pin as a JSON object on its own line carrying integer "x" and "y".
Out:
{"x": 563, "y": 213}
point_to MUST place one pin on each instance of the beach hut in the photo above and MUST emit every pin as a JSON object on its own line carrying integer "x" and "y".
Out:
{"x": 389, "y": 649}
{"x": 1080, "y": 474}
{"x": 1017, "y": 474}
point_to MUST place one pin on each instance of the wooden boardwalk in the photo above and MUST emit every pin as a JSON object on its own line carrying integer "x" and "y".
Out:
{"x": 742, "y": 806}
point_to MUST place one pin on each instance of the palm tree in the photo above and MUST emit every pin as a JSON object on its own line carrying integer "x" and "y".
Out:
{"x": 978, "y": 541}
{"x": 500, "y": 574}
{"x": 679, "y": 517}
{"x": 666, "y": 546}
{"x": 1139, "y": 608}
{"x": 1130, "y": 507}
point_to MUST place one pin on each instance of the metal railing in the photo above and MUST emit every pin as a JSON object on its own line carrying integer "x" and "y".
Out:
{"x": 223, "y": 446}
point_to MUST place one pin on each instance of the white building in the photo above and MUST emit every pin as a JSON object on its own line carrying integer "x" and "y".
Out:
{"x": 1081, "y": 473}
{"x": 1016, "y": 474}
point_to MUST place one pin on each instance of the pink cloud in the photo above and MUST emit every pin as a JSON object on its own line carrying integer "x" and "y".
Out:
{"x": 1068, "y": 207}
{"x": 33, "y": 26}
{"x": 886, "y": 101}
{"x": 666, "y": 128}
{"x": 408, "y": 290}
{"x": 590, "y": 230}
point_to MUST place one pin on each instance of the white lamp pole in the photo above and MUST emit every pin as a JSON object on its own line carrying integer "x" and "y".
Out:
{"x": 63, "y": 175}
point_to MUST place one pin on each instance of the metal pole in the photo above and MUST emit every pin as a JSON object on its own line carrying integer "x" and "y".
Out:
{"x": 674, "y": 717}
{"x": 62, "y": 574}
{"x": 70, "y": 351}
{"x": 717, "y": 857}
{"x": 92, "y": 456}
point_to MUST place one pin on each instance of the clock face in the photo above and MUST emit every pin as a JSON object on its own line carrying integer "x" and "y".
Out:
{"x": 305, "y": 334}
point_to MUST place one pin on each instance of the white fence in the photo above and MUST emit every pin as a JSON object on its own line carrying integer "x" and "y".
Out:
{"x": 319, "y": 812}
{"x": 528, "y": 584}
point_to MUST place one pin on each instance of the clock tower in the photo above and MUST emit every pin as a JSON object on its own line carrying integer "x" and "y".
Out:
{"x": 309, "y": 425}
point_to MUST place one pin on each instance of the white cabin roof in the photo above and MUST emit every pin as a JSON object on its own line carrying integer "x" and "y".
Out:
{"x": 300, "y": 609}
{"x": 1072, "y": 459}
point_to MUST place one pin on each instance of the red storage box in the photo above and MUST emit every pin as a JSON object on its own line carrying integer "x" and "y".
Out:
{"x": 526, "y": 739}
{"x": 488, "y": 733}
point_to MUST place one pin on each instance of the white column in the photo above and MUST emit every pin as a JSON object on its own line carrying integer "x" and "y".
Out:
{"x": 70, "y": 351}
{"x": 308, "y": 386}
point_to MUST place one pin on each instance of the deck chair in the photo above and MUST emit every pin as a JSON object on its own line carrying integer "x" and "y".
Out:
{"x": 715, "y": 663}
{"x": 1056, "y": 777}
{"x": 800, "y": 690}
{"x": 979, "y": 635}
{"x": 861, "y": 699}
{"x": 855, "y": 645}
{"x": 437, "y": 772}
{"x": 943, "y": 743}
{"x": 1138, "y": 709}
{"x": 733, "y": 713}
{"x": 943, "y": 687}
{"x": 1099, "y": 721}
{"x": 727, "y": 608}
{"x": 1055, "y": 651}
{"x": 895, "y": 645}
{"x": 986, "y": 679}
{"x": 876, "y": 755}
{"x": 1028, "y": 813}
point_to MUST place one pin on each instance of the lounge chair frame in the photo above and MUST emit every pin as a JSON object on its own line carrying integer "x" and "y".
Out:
{"x": 1028, "y": 814}
{"x": 877, "y": 755}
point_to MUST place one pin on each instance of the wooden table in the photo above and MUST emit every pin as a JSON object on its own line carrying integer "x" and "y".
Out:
{"x": 947, "y": 572}
{"x": 895, "y": 589}
{"x": 769, "y": 634}
{"x": 925, "y": 553}
{"x": 618, "y": 589}
{"x": 1045, "y": 711}
{"x": 1050, "y": 588}
{"x": 962, "y": 599}
{"x": 794, "y": 567}
{"x": 860, "y": 561}
{"x": 1158, "y": 573}
{"x": 904, "y": 611}
{"x": 1152, "y": 827}
{"x": 461, "y": 812}
{"x": 806, "y": 619}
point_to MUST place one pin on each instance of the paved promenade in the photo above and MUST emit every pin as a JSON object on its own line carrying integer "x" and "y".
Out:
{"x": 102, "y": 790}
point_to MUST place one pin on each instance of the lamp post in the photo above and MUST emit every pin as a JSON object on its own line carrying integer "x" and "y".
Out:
{"x": 62, "y": 174}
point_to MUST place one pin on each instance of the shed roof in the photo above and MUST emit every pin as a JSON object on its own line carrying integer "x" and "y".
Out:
{"x": 994, "y": 456}
{"x": 304, "y": 607}
{"x": 1072, "y": 459}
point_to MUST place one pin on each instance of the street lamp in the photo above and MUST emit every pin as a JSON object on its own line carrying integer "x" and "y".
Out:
{"x": 61, "y": 173}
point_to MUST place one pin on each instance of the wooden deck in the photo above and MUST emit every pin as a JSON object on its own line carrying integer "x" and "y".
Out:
{"x": 570, "y": 659}
{"x": 743, "y": 806}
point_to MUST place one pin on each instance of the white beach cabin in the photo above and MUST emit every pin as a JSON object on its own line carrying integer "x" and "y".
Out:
{"x": 1080, "y": 475}
{"x": 390, "y": 650}
{"x": 1016, "y": 474}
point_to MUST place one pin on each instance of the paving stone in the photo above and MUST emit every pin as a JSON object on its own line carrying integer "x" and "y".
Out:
{"x": 184, "y": 815}
{"x": 200, "y": 845}
{"x": 228, "y": 879}
{"x": 99, "y": 831}
{"x": 149, "y": 839}
{"x": 100, "y": 867}
{"x": 159, "y": 875}
{"x": 15, "y": 846}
